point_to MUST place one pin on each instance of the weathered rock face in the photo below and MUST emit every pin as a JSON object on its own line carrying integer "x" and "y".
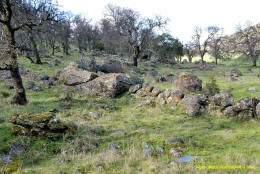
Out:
{"x": 72, "y": 75}
{"x": 111, "y": 66}
{"x": 223, "y": 99}
{"x": 188, "y": 82}
{"x": 194, "y": 105}
{"x": 134, "y": 88}
{"x": 40, "y": 125}
{"x": 88, "y": 64}
{"x": 173, "y": 95}
{"x": 111, "y": 85}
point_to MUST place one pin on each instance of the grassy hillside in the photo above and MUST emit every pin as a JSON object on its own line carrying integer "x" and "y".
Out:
{"x": 116, "y": 141}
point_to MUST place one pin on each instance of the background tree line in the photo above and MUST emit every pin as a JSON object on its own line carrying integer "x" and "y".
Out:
{"x": 36, "y": 28}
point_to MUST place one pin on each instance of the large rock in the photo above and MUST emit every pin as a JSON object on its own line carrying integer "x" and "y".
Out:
{"x": 111, "y": 84}
{"x": 72, "y": 75}
{"x": 111, "y": 66}
{"x": 235, "y": 73}
{"x": 173, "y": 95}
{"x": 188, "y": 82}
{"x": 88, "y": 64}
{"x": 40, "y": 125}
{"x": 194, "y": 105}
{"x": 245, "y": 104}
{"x": 223, "y": 99}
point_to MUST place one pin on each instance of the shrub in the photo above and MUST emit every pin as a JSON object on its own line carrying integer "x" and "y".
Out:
{"x": 211, "y": 86}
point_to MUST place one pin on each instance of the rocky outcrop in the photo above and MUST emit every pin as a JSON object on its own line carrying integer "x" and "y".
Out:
{"x": 45, "y": 125}
{"x": 72, "y": 75}
{"x": 88, "y": 64}
{"x": 188, "y": 82}
{"x": 108, "y": 85}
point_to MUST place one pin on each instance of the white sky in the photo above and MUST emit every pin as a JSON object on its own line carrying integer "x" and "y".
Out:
{"x": 184, "y": 15}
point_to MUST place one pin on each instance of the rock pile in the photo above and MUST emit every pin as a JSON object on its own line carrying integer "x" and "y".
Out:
{"x": 85, "y": 78}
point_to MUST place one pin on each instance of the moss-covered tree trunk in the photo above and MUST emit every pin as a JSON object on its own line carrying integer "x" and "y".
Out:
{"x": 19, "y": 91}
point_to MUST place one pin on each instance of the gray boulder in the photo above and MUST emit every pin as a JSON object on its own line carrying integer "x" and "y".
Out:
{"x": 193, "y": 105}
{"x": 223, "y": 99}
{"x": 111, "y": 84}
{"x": 88, "y": 64}
{"x": 72, "y": 75}
{"x": 111, "y": 66}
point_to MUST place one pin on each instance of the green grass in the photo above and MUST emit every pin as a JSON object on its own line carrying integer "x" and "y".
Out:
{"x": 215, "y": 139}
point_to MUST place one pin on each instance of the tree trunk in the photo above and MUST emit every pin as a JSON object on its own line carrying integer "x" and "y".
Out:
{"x": 136, "y": 52}
{"x": 19, "y": 91}
{"x": 254, "y": 61}
{"x": 35, "y": 50}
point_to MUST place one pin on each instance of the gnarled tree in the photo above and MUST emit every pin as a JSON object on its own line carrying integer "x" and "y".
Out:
{"x": 11, "y": 22}
{"x": 202, "y": 41}
{"x": 129, "y": 24}
{"x": 247, "y": 42}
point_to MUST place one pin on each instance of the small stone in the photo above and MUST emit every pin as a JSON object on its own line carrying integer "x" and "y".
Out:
{"x": 175, "y": 140}
{"x": 94, "y": 115}
{"x": 112, "y": 145}
{"x": 61, "y": 161}
{"x": 251, "y": 89}
{"x": 119, "y": 132}
{"x": 159, "y": 149}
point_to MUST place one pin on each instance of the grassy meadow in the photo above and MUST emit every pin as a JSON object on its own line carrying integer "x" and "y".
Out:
{"x": 231, "y": 145}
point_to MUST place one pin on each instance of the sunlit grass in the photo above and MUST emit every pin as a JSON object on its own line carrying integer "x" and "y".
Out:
{"x": 215, "y": 139}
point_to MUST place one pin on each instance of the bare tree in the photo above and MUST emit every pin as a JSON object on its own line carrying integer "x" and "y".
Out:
{"x": 216, "y": 44}
{"x": 189, "y": 50}
{"x": 202, "y": 42}
{"x": 12, "y": 22}
{"x": 129, "y": 24}
{"x": 248, "y": 41}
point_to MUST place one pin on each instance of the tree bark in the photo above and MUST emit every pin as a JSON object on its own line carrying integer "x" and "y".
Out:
{"x": 136, "y": 52}
{"x": 254, "y": 61}
{"x": 19, "y": 91}
{"x": 35, "y": 50}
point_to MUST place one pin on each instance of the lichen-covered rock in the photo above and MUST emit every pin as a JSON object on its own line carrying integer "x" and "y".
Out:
{"x": 8, "y": 164}
{"x": 192, "y": 105}
{"x": 244, "y": 104}
{"x": 40, "y": 125}
{"x": 229, "y": 111}
{"x": 72, "y": 75}
{"x": 223, "y": 99}
{"x": 188, "y": 82}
